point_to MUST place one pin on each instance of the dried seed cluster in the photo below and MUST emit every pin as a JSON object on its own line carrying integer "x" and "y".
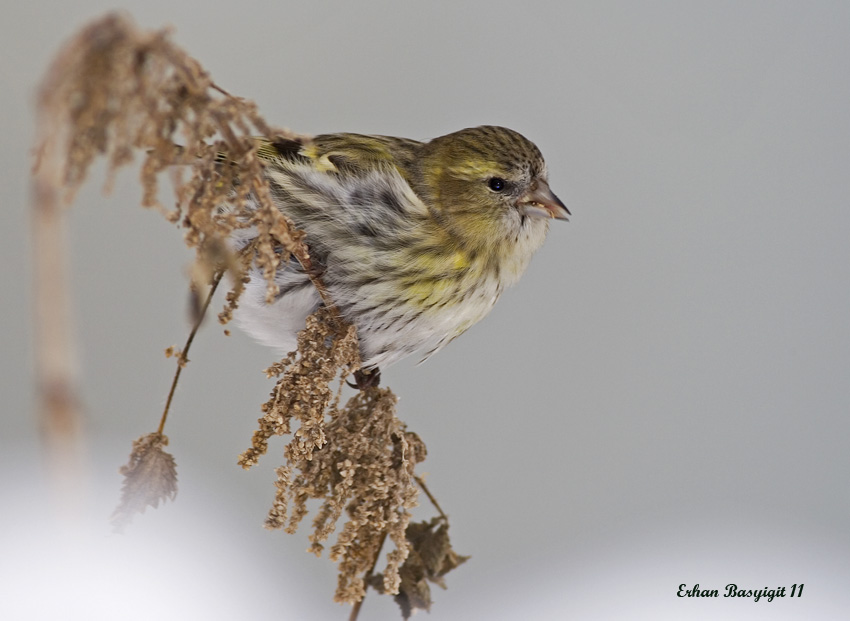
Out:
{"x": 358, "y": 459}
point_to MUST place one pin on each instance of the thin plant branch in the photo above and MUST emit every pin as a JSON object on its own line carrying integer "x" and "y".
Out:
{"x": 355, "y": 609}
{"x": 421, "y": 482}
{"x": 184, "y": 353}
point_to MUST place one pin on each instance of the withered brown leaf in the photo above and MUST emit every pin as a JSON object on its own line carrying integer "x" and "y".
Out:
{"x": 149, "y": 477}
{"x": 431, "y": 557}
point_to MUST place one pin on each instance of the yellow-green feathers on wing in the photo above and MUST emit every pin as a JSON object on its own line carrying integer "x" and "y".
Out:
{"x": 344, "y": 153}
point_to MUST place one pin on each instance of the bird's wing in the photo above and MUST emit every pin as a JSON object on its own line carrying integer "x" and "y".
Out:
{"x": 353, "y": 180}
{"x": 337, "y": 185}
{"x": 353, "y": 154}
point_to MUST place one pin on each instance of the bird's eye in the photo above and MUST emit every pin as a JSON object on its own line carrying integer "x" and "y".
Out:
{"x": 497, "y": 184}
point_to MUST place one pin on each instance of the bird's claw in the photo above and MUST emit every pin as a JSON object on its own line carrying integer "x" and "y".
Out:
{"x": 366, "y": 379}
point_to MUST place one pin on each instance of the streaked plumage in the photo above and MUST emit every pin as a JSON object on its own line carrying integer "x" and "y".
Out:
{"x": 416, "y": 240}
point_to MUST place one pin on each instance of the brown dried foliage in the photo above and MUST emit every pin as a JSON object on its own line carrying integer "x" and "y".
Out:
{"x": 149, "y": 477}
{"x": 431, "y": 557}
{"x": 327, "y": 348}
{"x": 116, "y": 92}
{"x": 358, "y": 459}
{"x": 367, "y": 469}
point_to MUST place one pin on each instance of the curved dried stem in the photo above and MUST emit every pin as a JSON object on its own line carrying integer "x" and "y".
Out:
{"x": 60, "y": 416}
{"x": 183, "y": 357}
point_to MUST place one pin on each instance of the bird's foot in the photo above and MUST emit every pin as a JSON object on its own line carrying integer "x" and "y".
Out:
{"x": 366, "y": 379}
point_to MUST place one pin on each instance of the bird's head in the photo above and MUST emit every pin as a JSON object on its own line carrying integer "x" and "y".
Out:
{"x": 488, "y": 185}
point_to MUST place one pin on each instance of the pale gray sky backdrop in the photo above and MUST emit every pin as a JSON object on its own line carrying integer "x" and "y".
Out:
{"x": 663, "y": 399}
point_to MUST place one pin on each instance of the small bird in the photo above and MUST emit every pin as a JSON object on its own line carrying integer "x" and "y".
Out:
{"x": 415, "y": 241}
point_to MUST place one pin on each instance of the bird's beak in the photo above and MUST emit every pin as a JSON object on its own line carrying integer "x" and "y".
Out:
{"x": 541, "y": 202}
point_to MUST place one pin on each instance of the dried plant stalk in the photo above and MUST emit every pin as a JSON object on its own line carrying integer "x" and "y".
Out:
{"x": 60, "y": 418}
{"x": 114, "y": 91}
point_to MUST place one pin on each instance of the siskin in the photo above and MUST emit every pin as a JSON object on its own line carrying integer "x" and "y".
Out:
{"x": 416, "y": 241}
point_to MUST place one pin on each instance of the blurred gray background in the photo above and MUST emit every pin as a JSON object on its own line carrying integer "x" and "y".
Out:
{"x": 663, "y": 399}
